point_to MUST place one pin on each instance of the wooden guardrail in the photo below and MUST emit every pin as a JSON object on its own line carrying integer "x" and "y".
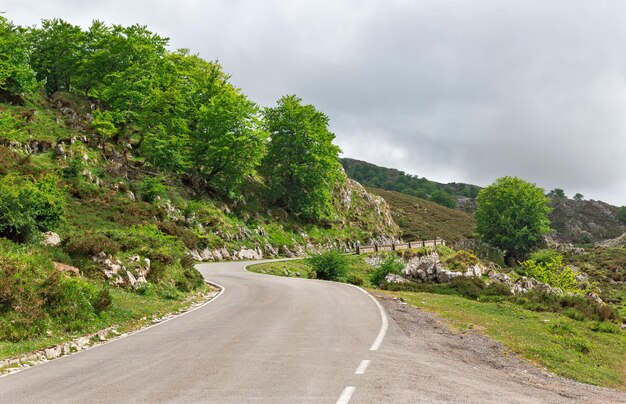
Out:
{"x": 362, "y": 249}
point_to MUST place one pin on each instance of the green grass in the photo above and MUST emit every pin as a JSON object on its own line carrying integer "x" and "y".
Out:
{"x": 129, "y": 311}
{"x": 358, "y": 272}
{"x": 566, "y": 347}
{"x": 420, "y": 219}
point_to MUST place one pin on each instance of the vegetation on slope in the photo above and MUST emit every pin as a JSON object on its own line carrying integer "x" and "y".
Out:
{"x": 391, "y": 179}
{"x": 141, "y": 159}
{"x": 420, "y": 219}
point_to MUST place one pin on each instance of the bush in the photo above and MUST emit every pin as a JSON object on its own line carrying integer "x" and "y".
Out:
{"x": 28, "y": 205}
{"x": 468, "y": 286}
{"x": 391, "y": 264}
{"x": 90, "y": 243}
{"x": 150, "y": 188}
{"x": 460, "y": 261}
{"x": 544, "y": 256}
{"x": 33, "y": 295}
{"x": 331, "y": 265}
{"x": 551, "y": 272}
{"x": 496, "y": 289}
{"x": 606, "y": 327}
{"x": 188, "y": 237}
{"x": 354, "y": 280}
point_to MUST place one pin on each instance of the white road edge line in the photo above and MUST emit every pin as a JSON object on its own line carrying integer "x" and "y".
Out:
{"x": 130, "y": 334}
{"x": 362, "y": 367}
{"x": 346, "y": 395}
{"x": 383, "y": 316}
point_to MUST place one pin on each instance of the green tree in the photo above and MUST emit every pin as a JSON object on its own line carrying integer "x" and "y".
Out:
{"x": 512, "y": 214}
{"x": 58, "y": 50}
{"x": 621, "y": 214}
{"x": 301, "y": 166}
{"x": 229, "y": 142}
{"x": 557, "y": 193}
{"x": 16, "y": 75}
{"x": 444, "y": 199}
{"x": 578, "y": 196}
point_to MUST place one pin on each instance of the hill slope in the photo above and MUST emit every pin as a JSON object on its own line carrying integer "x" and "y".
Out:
{"x": 422, "y": 219}
{"x": 584, "y": 222}
{"x": 391, "y": 179}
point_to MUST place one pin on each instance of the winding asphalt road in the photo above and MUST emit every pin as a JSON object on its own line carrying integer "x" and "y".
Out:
{"x": 268, "y": 339}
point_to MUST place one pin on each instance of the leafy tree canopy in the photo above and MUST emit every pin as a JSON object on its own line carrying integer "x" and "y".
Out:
{"x": 301, "y": 166}
{"x": 512, "y": 214}
{"x": 16, "y": 74}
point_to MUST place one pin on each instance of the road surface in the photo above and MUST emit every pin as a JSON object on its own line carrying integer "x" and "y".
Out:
{"x": 268, "y": 339}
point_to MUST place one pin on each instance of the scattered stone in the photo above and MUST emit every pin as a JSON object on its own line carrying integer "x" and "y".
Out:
{"x": 51, "y": 239}
{"x": 66, "y": 268}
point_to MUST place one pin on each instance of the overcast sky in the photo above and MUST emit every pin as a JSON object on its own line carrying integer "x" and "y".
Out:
{"x": 463, "y": 91}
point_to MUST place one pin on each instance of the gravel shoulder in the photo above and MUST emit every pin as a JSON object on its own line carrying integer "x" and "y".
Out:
{"x": 444, "y": 366}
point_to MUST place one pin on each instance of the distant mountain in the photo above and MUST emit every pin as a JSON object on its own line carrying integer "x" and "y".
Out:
{"x": 450, "y": 195}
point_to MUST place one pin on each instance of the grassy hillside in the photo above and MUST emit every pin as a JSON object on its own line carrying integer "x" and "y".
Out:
{"x": 122, "y": 163}
{"x": 391, "y": 179}
{"x": 422, "y": 219}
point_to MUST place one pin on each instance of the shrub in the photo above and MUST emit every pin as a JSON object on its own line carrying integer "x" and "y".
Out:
{"x": 460, "y": 261}
{"x": 103, "y": 300}
{"x": 90, "y": 243}
{"x": 72, "y": 300}
{"x": 331, "y": 265}
{"x": 552, "y": 272}
{"x": 150, "y": 188}
{"x": 188, "y": 237}
{"x": 606, "y": 327}
{"x": 74, "y": 168}
{"x": 28, "y": 205}
{"x": 354, "y": 280}
{"x": 391, "y": 264}
{"x": 496, "y": 289}
{"x": 33, "y": 295}
{"x": 544, "y": 256}
{"x": 468, "y": 286}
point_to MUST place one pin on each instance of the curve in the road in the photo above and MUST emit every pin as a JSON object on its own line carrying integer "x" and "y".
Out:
{"x": 266, "y": 339}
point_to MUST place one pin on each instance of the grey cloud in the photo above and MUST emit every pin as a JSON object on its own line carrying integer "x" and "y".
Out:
{"x": 450, "y": 90}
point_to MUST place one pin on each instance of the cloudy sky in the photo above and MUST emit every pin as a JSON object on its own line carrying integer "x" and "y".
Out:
{"x": 462, "y": 91}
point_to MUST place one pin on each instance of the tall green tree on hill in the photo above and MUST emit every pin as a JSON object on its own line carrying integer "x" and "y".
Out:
{"x": 58, "y": 51}
{"x": 302, "y": 166}
{"x": 512, "y": 214}
{"x": 16, "y": 74}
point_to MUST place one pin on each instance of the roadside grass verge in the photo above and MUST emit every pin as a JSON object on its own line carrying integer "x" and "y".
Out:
{"x": 128, "y": 311}
{"x": 358, "y": 271}
{"x": 566, "y": 347}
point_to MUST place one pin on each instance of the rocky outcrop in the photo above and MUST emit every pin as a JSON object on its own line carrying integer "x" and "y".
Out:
{"x": 614, "y": 242}
{"x": 429, "y": 269}
{"x": 584, "y": 221}
{"x": 130, "y": 274}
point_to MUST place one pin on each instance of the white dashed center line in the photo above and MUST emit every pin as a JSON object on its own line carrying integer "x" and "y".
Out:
{"x": 346, "y": 395}
{"x": 362, "y": 367}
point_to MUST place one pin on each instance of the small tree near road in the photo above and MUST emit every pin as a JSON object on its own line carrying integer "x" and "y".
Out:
{"x": 512, "y": 214}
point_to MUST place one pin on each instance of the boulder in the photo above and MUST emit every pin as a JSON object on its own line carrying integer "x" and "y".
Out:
{"x": 51, "y": 239}
{"x": 66, "y": 268}
{"x": 393, "y": 278}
